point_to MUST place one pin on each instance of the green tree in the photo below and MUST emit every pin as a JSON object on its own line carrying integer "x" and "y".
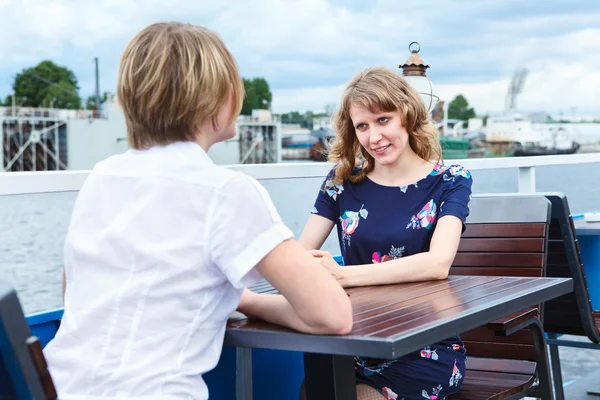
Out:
{"x": 263, "y": 93}
{"x": 45, "y": 85}
{"x": 291, "y": 117}
{"x": 250, "y": 100}
{"x": 459, "y": 109}
{"x": 258, "y": 95}
{"x": 90, "y": 104}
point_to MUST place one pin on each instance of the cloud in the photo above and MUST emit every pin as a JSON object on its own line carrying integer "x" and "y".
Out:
{"x": 306, "y": 99}
{"x": 308, "y": 49}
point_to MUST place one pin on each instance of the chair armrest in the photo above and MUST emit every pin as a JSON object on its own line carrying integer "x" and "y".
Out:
{"x": 513, "y": 322}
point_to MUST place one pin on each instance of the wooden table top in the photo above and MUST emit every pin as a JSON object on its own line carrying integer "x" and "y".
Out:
{"x": 393, "y": 320}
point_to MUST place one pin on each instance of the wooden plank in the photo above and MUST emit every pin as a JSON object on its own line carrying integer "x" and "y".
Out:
{"x": 406, "y": 318}
{"x": 497, "y": 271}
{"x": 499, "y": 260}
{"x": 373, "y": 294}
{"x": 504, "y": 230}
{"x": 513, "y": 320}
{"x": 508, "y": 366}
{"x": 512, "y": 245}
{"x": 400, "y": 303}
{"x": 483, "y": 334}
{"x": 366, "y": 290}
{"x": 495, "y": 377}
{"x": 453, "y": 307}
{"x": 501, "y": 350}
{"x": 401, "y": 298}
{"x": 491, "y": 385}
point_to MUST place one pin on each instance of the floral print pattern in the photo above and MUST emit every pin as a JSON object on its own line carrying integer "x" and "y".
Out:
{"x": 332, "y": 189}
{"x": 349, "y": 222}
{"x": 388, "y": 393}
{"x": 395, "y": 252}
{"x": 454, "y": 171}
{"x": 424, "y": 218}
{"x": 437, "y": 169}
{"x": 428, "y": 353}
{"x": 434, "y": 393}
{"x": 456, "y": 376}
{"x": 378, "y": 373}
{"x": 404, "y": 188}
{"x": 366, "y": 368}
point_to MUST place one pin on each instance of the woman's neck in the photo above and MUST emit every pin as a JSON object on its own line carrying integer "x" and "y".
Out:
{"x": 409, "y": 168}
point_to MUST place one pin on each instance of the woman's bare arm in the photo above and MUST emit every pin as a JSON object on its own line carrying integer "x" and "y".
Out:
{"x": 311, "y": 300}
{"x": 315, "y": 232}
{"x": 430, "y": 265}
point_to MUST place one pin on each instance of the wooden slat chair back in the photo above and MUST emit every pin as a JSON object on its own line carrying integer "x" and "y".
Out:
{"x": 505, "y": 235}
{"x": 23, "y": 370}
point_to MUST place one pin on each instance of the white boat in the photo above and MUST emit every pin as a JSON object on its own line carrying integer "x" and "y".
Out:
{"x": 524, "y": 137}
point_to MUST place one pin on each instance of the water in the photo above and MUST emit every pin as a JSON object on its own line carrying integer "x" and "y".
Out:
{"x": 32, "y": 232}
{"x": 33, "y": 228}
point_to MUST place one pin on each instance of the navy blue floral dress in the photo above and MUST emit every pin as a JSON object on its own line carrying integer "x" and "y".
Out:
{"x": 378, "y": 223}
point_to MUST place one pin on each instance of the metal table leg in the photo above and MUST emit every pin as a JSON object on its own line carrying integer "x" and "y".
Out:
{"x": 329, "y": 377}
{"x": 556, "y": 370}
{"x": 243, "y": 373}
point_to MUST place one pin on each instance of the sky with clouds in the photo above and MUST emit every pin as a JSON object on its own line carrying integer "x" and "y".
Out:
{"x": 308, "y": 49}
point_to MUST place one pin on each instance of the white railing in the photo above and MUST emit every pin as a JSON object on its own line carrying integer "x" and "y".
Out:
{"x": 39, "y": 113}
{"x": 12, "y": 183}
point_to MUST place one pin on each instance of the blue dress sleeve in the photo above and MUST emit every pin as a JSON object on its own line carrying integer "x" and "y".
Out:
{"x": 326, "y": 203}
{"x": 456, "y": 192}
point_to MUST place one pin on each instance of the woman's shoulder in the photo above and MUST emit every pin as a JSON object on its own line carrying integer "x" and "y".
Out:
{"x": 447, "y": 177}
{"x": 454, "y": 177}
{"x": 457, "y": 171}
{"x": 333, "y": 171}
{"x": 332, "y": 184}
{"x": 451, "y": 172}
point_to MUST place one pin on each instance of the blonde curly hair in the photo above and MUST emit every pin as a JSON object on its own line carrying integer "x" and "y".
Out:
{"x": 379, "y": 89}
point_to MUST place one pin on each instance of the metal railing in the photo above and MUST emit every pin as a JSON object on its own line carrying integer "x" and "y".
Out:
{"x": 12, "y": 183}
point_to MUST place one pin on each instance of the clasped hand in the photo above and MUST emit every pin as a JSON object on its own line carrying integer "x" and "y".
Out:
{"x": 327, "y": 261}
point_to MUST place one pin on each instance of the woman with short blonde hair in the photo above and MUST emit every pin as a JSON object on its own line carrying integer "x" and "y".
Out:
{"x": 162, "y": 242}
{"x": 171, "y": 77}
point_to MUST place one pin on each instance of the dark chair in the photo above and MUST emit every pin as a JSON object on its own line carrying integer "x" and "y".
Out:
{"x": 573, "y": 313}
{"x": 23, "y": 370}
{"x": 506, "y": 235}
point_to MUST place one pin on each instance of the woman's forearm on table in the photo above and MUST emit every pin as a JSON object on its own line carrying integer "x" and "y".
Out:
{"x": 276, "y": 309}
{"x": 419, "y": 267}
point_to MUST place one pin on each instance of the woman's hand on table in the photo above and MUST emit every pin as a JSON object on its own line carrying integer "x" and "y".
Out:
{"x": 327, "y": 261}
